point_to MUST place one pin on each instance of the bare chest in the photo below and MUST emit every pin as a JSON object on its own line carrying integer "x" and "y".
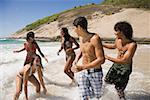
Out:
{"x": 87, "y": 48}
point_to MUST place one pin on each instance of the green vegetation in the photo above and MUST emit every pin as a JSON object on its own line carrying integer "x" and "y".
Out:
{"x": 129, "y": 3}
{"x": 50, "y": 19}
{"x": 42, "y": 21}
{"x": 86, "y": 10}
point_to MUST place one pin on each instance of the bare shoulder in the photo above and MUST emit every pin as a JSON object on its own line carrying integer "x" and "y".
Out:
{"x": 96, "y": 38}
{"x": 133, "y": 45}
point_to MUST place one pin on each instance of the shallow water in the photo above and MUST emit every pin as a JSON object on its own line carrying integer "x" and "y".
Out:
{"x": 138, "y": 87}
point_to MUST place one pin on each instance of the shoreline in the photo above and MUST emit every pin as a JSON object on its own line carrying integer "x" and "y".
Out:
{"x": 58, "y": 39}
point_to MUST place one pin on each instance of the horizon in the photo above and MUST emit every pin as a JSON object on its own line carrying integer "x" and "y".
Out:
{"x": 16, "y": 14}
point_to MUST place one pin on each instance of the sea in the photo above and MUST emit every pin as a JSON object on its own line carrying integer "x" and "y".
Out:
{"x": 10, "y": 63}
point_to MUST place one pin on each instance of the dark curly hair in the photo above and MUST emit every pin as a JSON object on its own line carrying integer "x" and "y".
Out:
{"x": 125, "y": 28}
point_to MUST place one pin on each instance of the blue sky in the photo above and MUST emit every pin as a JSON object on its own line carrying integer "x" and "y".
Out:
{"x": 16, "y": 14}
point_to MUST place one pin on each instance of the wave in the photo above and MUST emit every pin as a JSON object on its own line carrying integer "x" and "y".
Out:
{"x": 8, "y": 62}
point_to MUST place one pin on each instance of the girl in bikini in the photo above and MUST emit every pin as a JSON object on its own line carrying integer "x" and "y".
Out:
{"x": 27, "y": 74}
{"x": 30, "y": 46}
{"x": 67, "y": 45}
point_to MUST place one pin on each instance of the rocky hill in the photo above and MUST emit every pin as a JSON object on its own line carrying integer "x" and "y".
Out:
{"x": 101, "y": 20}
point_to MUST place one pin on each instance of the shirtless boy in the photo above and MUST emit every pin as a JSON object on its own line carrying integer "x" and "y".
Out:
{"x": 90, "y": 79}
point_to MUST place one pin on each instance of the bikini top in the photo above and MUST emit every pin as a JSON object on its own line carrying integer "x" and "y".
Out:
{"x": 30, "y": 48}
{"x": 68, "y": 44}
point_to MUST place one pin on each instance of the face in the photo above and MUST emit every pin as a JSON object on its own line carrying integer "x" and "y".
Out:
{"x": 31, "y": 39}
{"x": 76, "y": 30}
{"x": 62, "y": 33}
{"x": 37, "y": 61}
{"x": 118, "y": 34}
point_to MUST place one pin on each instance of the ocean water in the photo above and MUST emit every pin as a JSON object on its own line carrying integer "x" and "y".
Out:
{"x": 11, "y": 63}
{"x": 138, "y": 87}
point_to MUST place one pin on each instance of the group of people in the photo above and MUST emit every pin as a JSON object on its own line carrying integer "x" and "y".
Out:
{"x": 91, "y": 50}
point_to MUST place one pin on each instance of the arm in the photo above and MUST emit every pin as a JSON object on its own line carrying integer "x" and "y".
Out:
{"x": 25, "y": 81}
{"x": 126, "y": 57}
{"x": 40, "y": 75}
{"x": 62, "y": 46}
{"x": 78, "y": 58}
{"x": 17, "y": 51}
{"x": 110, "y": 46}
{"x": 76, "y": 43}
{"x": 40, "y": 52}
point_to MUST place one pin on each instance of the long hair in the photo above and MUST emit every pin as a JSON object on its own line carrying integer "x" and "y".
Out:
{"x": 67, "y": 35}
{"x": 39, "y": 60}
{"x": 29, "y": 34}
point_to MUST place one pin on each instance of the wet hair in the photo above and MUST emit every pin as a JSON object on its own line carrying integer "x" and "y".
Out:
{"x": 125, "y": 28}
{"x": 39, "y": 60}
{"x": 65, "y": 31}
{"x": 29, "y": 34}
{"x": 82, "y": 21}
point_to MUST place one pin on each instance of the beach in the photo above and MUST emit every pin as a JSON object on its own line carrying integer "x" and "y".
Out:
{"x": 57, "y": 83}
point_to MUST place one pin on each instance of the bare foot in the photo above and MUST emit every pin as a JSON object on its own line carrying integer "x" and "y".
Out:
{"x": 73, "y": 83}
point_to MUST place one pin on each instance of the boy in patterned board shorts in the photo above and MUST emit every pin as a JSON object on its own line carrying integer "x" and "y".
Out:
{"x": 90, "y": 79}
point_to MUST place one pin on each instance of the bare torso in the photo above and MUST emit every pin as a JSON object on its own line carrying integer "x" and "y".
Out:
{"x": 123, "y": 48}
{"x": 88, "y": 52}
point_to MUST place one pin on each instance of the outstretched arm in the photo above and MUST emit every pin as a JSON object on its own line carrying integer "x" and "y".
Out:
{"x": 17, "y": 51}
{"x": 41, "y": 52}
{"x": 40, "y": 75}
{"x": 76, "y": 43}
{"x": 62, "y": 46}
{"x": 111, "y": 46}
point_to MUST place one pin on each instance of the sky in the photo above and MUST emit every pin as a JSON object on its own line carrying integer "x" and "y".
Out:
{"x": 16, "y": 14}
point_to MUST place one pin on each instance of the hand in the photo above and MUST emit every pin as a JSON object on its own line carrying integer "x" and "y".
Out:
{"x": 58, "y": 53}
{"x": 76, "y": 68}
{"x": 15, "y": 51}
{"x": 44, "y": 91}
{"x": 46, "y": 59}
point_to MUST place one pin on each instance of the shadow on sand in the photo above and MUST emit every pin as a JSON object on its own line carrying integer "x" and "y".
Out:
{"x": 137, "y": 95}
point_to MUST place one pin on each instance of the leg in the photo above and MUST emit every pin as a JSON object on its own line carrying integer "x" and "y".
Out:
{"x": 84, "y": 87}
{"x": 120, "y": 87}
{"x": 68, "y": 66}
{"x": 96, "y": 83}
{"x": 19, "y": 82}
{"x": 35, "y": 82}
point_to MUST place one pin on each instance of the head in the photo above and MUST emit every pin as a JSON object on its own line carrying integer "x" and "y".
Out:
{"x": 64, "y": 33}
{"x": 37, "y": 61}
{"x": 123, "y": 28}
{"x": 80, "y": 24}
{"x": 30, "y": 36}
